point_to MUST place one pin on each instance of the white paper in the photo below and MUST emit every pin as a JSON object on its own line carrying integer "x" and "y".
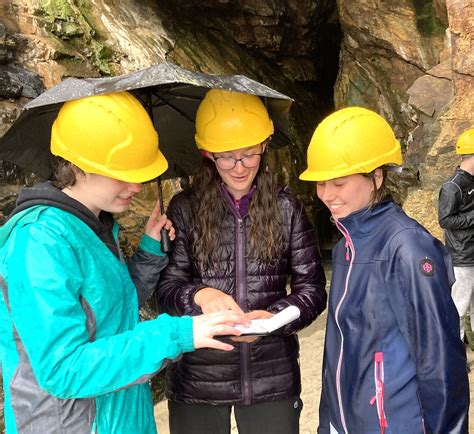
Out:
{"x": 268, "y": 325}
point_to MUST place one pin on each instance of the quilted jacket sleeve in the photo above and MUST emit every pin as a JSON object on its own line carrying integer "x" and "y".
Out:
{"x": 422, "y": 273}
{"x": 177, "y": 286}
{"x": 306, "y": 272}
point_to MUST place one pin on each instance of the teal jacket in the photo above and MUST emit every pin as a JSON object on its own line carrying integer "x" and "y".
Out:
{"x": 75, "y": 357}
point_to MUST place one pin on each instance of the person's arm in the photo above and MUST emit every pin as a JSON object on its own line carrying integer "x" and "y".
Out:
{"x": 178, "y": 283}
{"x": 308, "y": 281}
{"x": 419, "y": 281}
{"x": 44, "y": 292}
{"x": 449, "y": 216}
{"x": 145, "y": 267}
{"x": 149, "y": 260}
{"x": 45, "y": 305}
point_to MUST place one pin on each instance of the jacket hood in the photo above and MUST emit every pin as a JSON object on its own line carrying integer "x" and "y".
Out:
{"x": 46, "y": 194}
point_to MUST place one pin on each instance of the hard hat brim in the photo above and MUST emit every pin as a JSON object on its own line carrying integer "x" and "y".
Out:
{"x": 147, "y": 173}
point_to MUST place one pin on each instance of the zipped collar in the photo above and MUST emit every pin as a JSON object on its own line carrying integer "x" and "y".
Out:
{"x": 367, "y": 220}
{"x": 243, "y": 204}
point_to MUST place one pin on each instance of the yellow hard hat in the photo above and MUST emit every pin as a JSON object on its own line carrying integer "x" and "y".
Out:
{"x": 226, "y": 121}
{"x": 110, "y": 135}
{"x": 351, "y": 140}
{"x": 465, "y": 143}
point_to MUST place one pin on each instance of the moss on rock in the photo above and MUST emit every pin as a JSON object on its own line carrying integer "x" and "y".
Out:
{"x": 75, "y": 35}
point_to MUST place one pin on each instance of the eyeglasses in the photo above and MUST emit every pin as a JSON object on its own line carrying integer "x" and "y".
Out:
{"x": 248, "y": 161}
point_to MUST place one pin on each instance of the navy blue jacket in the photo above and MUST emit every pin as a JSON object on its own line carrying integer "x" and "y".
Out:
{"x": 393, "y": 356}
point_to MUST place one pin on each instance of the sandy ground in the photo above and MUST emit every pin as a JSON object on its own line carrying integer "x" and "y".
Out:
{"x": 312, "y": 341}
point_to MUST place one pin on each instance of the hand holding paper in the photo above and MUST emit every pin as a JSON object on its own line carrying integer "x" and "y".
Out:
{"x": 259, "y": 327}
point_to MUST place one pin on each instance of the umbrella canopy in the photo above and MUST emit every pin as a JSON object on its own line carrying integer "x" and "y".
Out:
{"x": 170, "y": 93}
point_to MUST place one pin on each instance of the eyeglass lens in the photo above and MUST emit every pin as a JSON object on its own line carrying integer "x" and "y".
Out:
{"x": 248, "y": 161}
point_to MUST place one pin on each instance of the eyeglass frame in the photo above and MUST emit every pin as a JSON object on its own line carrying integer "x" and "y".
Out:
{"x": 236, "y": 160}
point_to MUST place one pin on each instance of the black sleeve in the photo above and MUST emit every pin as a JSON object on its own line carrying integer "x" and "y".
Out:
{"x": 450, "y": 200}
{"x": 308, "y": 281}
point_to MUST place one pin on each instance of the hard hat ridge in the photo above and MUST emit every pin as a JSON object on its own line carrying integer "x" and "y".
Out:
{"x": 226, "y": 121}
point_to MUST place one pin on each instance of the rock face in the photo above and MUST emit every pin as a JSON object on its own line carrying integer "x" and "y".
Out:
{"x": 410, "y": 60}
{"x": 413, "y": 62}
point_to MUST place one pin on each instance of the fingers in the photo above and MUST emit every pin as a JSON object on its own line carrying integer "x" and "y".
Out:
{"x": 213, "y": 300}
{"x": 205, "y": 327}
{"x": 258, "y": 314}
{"x": 247, "y": 339}
{"x": 156, "y": 211}
{"x": 218, "y": 345}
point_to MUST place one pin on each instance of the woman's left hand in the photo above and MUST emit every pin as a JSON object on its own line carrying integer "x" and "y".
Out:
{"x": 156, "y": 222}
{"x": 258, "y": 314}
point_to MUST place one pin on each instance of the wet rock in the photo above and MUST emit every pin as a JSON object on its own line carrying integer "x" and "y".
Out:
{"x": 16, "y": 82}
{"x": 431, "y": 95}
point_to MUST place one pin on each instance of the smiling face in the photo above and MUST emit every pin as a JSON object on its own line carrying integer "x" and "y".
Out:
{"x": 101, "y": 193}
{"x": 348, "y": 194}
{"x": 239, "y": 180}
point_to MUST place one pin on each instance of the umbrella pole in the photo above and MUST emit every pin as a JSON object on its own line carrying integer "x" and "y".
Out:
{"x": 165, "y": 236}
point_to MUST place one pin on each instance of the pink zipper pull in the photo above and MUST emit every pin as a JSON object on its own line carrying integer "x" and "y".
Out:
{"x": 347, "y": 251}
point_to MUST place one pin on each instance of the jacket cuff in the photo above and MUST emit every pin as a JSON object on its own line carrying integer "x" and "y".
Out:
{"x": 186, "y": 334}
{"x": 150, "y": 245}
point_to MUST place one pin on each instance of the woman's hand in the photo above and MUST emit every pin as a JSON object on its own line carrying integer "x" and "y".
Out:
{"x": 213, "y": 300}
{"x": 206, "y": 326}
{"x": 258, "y": 314}
{"x": 156, "y": 222}
{"x": 255, "y": 314}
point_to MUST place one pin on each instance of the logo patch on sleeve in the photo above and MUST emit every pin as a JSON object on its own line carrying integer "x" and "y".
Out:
{"x": 427, "y": 267}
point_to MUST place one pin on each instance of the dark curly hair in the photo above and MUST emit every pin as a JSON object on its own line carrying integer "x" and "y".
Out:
{"x": 265, "y": 234}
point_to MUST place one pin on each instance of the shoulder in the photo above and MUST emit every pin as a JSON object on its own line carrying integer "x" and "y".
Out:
{"x": 182, "y": 200}
{"x": 180, "y": 206}
{"x": 414, "y": 246}
{"x": 286, "y": 200}
{"x": 453, "y": 184}
{"x": 46, "y": 227}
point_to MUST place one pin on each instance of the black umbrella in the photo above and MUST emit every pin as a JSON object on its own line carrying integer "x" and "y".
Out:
{"x": 171, "y": 95}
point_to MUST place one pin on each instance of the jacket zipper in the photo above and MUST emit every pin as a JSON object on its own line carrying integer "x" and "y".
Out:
{"x": 241, "y": 293}
{"x": 379, "y": 391}
{"x": 350, "y": 256}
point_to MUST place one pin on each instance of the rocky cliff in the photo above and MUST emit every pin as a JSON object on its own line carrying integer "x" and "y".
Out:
{"x": 410, "y": 60}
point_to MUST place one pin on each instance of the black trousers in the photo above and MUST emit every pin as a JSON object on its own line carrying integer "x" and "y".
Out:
{"x": 277, "y": 417}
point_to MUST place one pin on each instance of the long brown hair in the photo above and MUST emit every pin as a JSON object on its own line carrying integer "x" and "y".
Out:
{"x": 265, "y": 233}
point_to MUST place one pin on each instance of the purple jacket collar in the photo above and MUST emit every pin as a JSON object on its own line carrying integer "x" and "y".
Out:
{"x": 242, "y": 205}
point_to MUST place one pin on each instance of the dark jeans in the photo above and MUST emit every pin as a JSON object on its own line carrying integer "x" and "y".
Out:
{"x": 277, "y": 417}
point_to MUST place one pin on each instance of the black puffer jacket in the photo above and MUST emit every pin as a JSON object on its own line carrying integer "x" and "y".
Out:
{"x": 268, "y": 369}
{"x": 456, "y": 217}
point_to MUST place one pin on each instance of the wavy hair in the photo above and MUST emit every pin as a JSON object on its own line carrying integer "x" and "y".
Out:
{"x": 265, "y": 238}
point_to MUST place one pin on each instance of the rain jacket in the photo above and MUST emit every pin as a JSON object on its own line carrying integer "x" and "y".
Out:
{"x": 268, "y": 369}
{"x": 456, "y": 217}
{"x": 393, "y": 360}
{"x": 75, "y": 357}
